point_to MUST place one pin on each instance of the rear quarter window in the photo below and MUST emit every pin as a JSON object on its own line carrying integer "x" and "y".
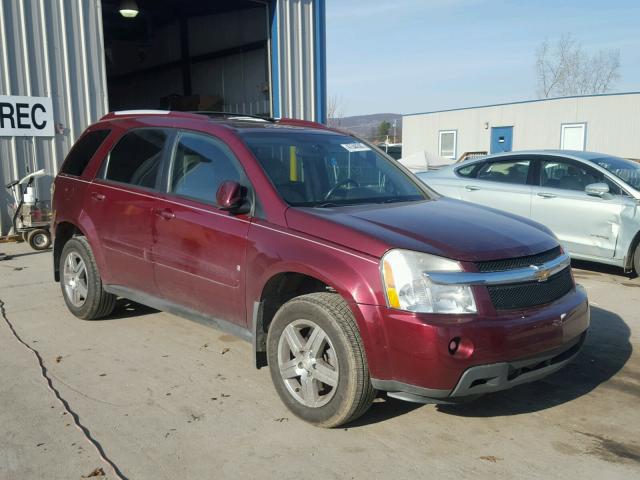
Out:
{"x": 468, "y": 172}
{"x": 82, "y": 152}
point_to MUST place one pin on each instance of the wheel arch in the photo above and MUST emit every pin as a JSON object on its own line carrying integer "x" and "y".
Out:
{"x": 83, "y": 225}
{"x": 63, "y": 233}
{"x": 354, "y": 278}
{"x": 278, "y": 289}
{"x": 629, "y": 259}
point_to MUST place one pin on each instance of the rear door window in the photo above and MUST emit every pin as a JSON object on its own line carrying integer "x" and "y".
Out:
{"x": 83, "y": 151}
{"x": 137, "y": 157}
{"x": 515, "y": 171}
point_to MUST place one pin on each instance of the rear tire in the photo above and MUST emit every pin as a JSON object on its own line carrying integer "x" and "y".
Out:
{"x": 81, "y": 283}
{"x": 636, "y": 260}
{"x": 39, "y": 239}
{"x": 325, "y": 379}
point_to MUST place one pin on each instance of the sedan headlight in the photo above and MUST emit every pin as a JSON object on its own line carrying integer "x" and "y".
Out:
{"x": 407, "y": 284}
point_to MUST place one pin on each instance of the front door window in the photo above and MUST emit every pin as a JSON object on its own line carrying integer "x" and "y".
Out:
{"x": 200, "y": 166}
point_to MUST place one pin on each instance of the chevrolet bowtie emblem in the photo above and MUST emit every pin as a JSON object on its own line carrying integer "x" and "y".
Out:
{"x": 541, "y": 275}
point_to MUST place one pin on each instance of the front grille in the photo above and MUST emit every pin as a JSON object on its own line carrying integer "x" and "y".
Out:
{"x": 531, "y": 294}
{"x": 518, "y": 262}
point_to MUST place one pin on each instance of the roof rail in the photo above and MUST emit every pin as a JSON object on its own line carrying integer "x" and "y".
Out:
{"x": 135, "y": 113}
{"x": 283, "y": 121}
{"x": 215, "y": 114}
{"x": 232, "y": 115}
{"x": 301, "y": 123}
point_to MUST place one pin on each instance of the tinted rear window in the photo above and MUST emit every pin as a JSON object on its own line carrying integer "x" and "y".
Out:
{"x": 136, "y": 158}
{"x": 82, "y": 152}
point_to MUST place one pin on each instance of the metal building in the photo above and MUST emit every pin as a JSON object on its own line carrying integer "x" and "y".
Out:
{"x": 65, "y": 63}
{"x": 607, "y": 123}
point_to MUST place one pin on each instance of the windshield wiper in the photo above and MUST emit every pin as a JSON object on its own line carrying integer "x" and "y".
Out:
{"x": 399, "y": 200}
{"x": 326, "y": 205}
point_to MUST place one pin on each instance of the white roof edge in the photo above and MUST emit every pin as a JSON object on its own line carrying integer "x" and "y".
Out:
{"x": 247, "y": 118}
{"x": 142, "y": 112}
{"x": 518, "y": 102}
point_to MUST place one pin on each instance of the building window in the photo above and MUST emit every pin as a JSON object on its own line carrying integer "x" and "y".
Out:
{"x": 573, "y": 136}
{"x": 447, "y": 143}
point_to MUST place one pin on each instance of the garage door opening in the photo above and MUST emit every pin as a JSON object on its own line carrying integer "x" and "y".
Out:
{"x": 188, "y": 55}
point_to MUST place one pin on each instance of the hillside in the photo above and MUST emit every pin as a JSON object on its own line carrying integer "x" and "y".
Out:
{"x": 367, "y": 125}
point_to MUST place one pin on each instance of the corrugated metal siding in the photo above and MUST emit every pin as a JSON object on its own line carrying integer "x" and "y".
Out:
{"x": 49, "y": 48}
{"x": 54, "y": 48}
{"x": 298, "y": 69}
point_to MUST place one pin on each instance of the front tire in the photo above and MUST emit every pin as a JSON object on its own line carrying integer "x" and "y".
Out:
{"x": 636, "y": 260}
{"x": 81, "y": 283}
{"x": 317, "y": 361}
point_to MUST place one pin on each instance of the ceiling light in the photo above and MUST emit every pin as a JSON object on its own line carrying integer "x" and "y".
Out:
{"x": 129, "y": 8}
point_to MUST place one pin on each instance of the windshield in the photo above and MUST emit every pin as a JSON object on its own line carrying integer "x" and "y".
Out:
{"x": 625, "y": 170}
{"x": 324, "y": 170}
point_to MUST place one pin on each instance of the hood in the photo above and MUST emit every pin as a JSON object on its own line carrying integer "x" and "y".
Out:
{"x": 446, "y": 227}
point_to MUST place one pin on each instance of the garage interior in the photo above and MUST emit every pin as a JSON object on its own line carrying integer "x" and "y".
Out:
{"x": 188, "y": 55}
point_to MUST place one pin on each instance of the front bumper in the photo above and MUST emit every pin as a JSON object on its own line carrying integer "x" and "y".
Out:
{"x": 494, "y": 377}
{"x": 499, "y": 351}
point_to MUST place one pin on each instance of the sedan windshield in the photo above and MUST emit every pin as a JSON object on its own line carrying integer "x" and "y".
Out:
{"x": 326, "y": 170}
{"x": 625, "y": 170}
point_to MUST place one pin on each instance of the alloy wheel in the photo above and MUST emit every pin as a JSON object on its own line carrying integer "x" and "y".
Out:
{"x": 308, "y": 363}
{"x": 75, "y": 279}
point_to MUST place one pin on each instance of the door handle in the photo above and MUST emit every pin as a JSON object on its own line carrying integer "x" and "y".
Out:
{"x": 98, "y": 196}
{"x": 471, "y": 188}
{"x": 164, "y": 213}
{"x": 546, "y": 195}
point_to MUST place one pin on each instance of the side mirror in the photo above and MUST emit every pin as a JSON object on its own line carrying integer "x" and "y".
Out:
{"x": 231, "y": 196}
{"x": 597, "y": 189}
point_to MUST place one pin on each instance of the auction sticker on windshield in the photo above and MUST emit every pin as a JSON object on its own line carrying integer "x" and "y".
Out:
{"x": 355, "y": 147}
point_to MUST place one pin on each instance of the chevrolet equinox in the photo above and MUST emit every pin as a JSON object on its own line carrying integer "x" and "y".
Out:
{"x": 346, "y": 273}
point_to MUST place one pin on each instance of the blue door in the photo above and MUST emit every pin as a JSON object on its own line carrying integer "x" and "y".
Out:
{"x": 501, "y": 139}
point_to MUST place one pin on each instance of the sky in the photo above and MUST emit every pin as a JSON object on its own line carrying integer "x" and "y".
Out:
{"x": 409, "y": 56}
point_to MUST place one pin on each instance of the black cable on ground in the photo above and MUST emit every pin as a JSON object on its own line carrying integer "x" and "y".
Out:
{"x": 59, "y": 397}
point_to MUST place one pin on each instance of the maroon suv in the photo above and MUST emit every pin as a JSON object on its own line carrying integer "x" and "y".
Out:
{"x": 346, "y": 273}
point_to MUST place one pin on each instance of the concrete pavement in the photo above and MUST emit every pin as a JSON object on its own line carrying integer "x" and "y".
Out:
{"x": 168, "y": 398}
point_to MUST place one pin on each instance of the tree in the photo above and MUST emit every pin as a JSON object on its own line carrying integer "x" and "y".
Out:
{"x": 335, "y": 111}
{"x": 564, "y": 68}
{"x": 383, "y": 130}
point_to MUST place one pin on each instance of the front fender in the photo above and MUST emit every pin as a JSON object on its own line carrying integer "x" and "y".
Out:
{"x": 274, "y": 250}
{"x": 355, "y": 276}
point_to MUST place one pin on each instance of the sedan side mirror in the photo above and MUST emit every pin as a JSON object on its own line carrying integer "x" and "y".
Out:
{"x": 597, "y": 189}
{"x": 231, "y": 197}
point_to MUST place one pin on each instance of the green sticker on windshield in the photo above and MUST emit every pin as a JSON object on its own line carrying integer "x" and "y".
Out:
{"x": 355, "y": 147}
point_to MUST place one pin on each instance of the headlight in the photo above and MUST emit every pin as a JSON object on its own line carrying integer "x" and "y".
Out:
{"x": 405, "y": 275}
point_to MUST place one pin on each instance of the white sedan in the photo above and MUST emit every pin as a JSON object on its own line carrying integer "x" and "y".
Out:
{"x": 591, "y": 201}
